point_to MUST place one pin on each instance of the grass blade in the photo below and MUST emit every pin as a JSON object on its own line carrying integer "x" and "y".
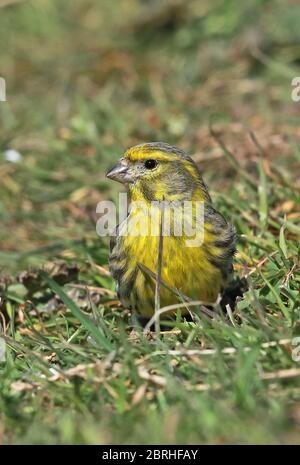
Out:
{"x": 158, "y": 271}
{"x": 282, "y": 242}
{"x": 84, "y": 320}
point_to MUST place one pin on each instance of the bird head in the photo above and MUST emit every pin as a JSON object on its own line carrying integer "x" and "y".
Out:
{"x": 156, "y": 171}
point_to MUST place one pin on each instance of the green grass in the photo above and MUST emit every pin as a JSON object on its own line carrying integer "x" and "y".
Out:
{"x": 85, "y": 80}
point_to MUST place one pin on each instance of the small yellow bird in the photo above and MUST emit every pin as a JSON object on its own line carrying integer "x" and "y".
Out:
{"x": 155, "y": 172}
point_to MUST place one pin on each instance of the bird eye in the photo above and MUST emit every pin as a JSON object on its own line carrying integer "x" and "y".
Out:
{"x": 150, "y": 164}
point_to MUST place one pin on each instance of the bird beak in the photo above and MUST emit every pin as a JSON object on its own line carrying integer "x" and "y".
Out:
{"x": 120, "y": 173}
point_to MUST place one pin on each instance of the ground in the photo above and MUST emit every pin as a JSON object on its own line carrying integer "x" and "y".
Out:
{"x": 85, "y": 80}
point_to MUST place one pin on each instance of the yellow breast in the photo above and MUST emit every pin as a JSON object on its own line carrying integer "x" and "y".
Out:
{"x": 184, "y": 268}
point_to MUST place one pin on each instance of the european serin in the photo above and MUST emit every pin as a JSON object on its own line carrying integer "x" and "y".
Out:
{"x": 154, "y": 172}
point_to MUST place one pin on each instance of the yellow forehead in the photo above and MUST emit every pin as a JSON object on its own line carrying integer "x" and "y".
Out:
{"x": 143, "y": 152}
